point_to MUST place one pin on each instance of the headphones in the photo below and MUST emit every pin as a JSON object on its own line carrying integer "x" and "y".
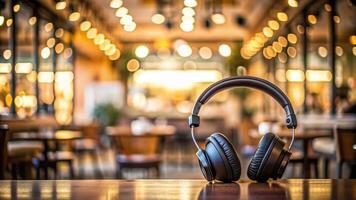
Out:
{"x": 219, "y": 160}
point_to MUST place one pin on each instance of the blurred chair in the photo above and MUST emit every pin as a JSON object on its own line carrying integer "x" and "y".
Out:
{"x": 88, "y": 145}
{"x": 298, "y": 158}
{"x": 345, "y": 140}
{"x": 138, "y": 151}
{"x": 325, "y": 147}
{"x": 4, "y": 135}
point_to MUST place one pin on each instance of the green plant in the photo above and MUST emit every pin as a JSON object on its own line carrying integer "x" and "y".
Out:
{"x": 106, "y": 114}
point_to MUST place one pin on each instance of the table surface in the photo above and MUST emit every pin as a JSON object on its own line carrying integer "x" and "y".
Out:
{"x": 48, "y": 135}
{"x": 154, "y": 131}
{"x": 178, "y": 189}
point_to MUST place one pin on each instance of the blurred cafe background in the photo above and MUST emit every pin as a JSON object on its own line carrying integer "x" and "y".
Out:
{"x": 102, "y": 89}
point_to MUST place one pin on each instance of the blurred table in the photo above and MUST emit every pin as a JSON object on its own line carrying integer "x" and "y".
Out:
{"x": 45, "y": 137}
{"x": 126, "y": 131}
{"x": 306, "y": 136}
{"x": 178, "y": 189}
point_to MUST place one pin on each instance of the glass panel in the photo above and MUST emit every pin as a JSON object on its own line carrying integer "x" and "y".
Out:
{"x": 46, "y": 75}
{"x": 25, "y": 100}
{"x": 5, "y": 55}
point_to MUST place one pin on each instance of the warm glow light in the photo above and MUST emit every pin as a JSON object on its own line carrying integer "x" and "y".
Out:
{"x": 188, "y": 11}
{"x": 337, "y": 19}
{"x": 293, "y": 3}
{"x": 292, "y": 38}
{"x": 267, "y": 31}
{"x": 16, "y": 8}
{"x": 282, "y": 16}
{"x": 62, "y": 77}
{"x": 205, "y": 52}
{"x": 282, "y": 41}
{"x": 7, "y": 54}
{"x": 323, "y": 52}
{"x": 51, "y": 42}
{"x": 5, "y": 68}
{"x": 45, "y": 52}
{"x": 292, "y": 52}
{"x": 74, "y": 16}
{"x": 111, "y": 50}
{"x": 48, "y": 27}
{"x": 32, "y": 21}
{"x": 158, "y": 18}
{"x": 176, "y": 79}
{"x": 190, "y": 3}
{"x": 273, "y": 24}
{"x": 225, "y": 50}
{"x": 91, "y": 33}
{"x": 354, "y": 51}
{"x": 116, "y": 3}
{"x": 99, "y": 39}
{"x": 327, "y": 7}
{"x": 2, "y": 20}
{"x": 59, "y": 32}
{"x": 142, "y": 51}
{"x": 126, "y": 19}
{"x": 8, "y": 22}
{"x": 312, "y": 19}
{"x": 133, "y": 65}
{"x": 184, "y": 50}
{"x": 105, "y": 45}
{"x": 116, "y": 55}
{"x": 218, "y": 18}
{"x": 45, "y": 77}
{"x": 353, "y": 39}
{"x": 339, "y": 51}
{"x": 188, "y": 19}
{"x": 318, "y": 75}
{"x": 295, "y": 75}
{"x": 130, "y": 27}
{"x": 85, "y": 25}
{"x": 281, "y": 75}
{"x": 121, "y": 12}
{"x": 60, "y": 5}
{"x": 23, "y": 68}
{"x": 186, "y": 27}
{"x": 277, "y": 47}
{"x": 59, "y": 48}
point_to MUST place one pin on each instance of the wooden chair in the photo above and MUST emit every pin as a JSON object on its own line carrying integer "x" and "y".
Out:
{"x": 4, "y": 135}
{"x": 135, "y": 151}
{"x": 345, "y": 147}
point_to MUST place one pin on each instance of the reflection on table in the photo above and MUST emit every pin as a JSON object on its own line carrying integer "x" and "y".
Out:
{"x": 178, "y": 189}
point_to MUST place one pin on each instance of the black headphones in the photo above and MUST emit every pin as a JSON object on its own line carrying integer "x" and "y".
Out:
{"x": 219, "y": 160}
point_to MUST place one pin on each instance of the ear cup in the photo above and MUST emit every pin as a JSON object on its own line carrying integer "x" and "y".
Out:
{"x": 231, "y": 161}
{"x": 261, "y": 152}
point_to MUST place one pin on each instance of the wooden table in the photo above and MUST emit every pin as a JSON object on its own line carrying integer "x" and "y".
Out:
{"x": 126, "y": 131}
{"x": 45, "y": 137}
{"x": 178, "y": 189}
{"x": 306, "y": 136}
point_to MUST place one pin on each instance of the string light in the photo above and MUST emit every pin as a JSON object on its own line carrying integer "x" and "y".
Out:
{"x": 224, "y": 50}
{"x": 142, "y": 51}
{"x": 293, "y": 3}
{"x": 121, "y": 12}
{"x": 85, "y": 25}
{"x": 116, "y": 3}
{"x": 74, "y": 16}
{"x": 282, "y": 16}
{"x": 312, "y": 19}
{"x": 2, "y": 20}
{"x": 158, "y": 18}
{"x": 61, "y": 5}
{"x": 218, "y": 18}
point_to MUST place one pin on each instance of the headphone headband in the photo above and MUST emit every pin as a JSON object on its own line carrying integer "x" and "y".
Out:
{"x": 244, "y": 81}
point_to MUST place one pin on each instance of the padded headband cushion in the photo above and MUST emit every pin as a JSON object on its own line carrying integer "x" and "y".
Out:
{"x": 260, "y": 153}
{"x": 230, "y": 154}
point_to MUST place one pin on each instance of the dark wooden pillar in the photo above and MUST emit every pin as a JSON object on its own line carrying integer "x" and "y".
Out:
{"x": 305, "y": 57}
{"x": 332, "y": 56}
{"x": 12, "y": 45}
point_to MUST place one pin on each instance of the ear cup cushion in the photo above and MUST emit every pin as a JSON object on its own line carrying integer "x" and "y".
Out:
{"x": 230, "y": 154}
{"x": 260, "y": 153}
